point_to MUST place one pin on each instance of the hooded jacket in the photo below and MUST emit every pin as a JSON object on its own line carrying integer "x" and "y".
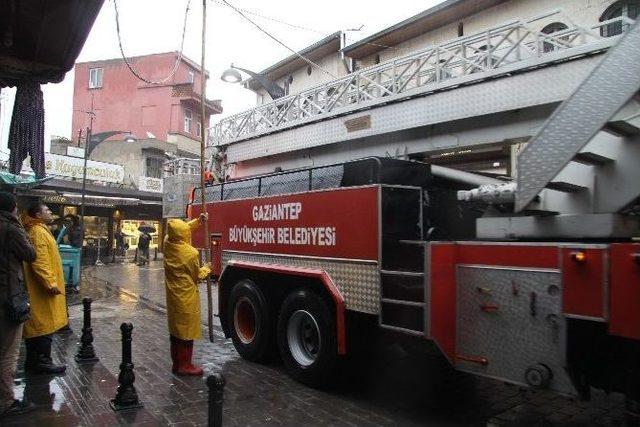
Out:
{"x": 182, "y": 273}
{"x": 48, "y": 311}
{"x": 15, "y": 248}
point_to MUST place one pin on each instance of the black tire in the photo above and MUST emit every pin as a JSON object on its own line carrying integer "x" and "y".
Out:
{"x": 250, "y": 322}
{"x": 307, "y": 338}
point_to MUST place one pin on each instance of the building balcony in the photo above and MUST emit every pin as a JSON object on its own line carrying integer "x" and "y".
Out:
{"x": 496, "y": 52}
{"x": 191, "y": 98}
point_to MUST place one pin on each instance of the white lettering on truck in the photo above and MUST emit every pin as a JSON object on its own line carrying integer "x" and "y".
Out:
{"x": 276, "y": 212}
{"x": 312, "y": 236}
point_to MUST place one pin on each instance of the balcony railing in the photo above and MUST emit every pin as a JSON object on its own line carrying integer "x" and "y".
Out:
{"x": 503, "y": 49}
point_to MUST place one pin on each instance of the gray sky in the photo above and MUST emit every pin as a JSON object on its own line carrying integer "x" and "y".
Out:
{"x": 152, "y": 26}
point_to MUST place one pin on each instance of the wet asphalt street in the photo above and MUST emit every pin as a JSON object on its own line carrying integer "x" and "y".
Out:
{"x": 386, "y": 385}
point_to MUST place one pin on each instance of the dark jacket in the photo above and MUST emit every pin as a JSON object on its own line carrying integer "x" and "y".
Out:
{"x": 75, "y": 236}
{"x": 143, "y": 241}
{"x": 15, "y": 248}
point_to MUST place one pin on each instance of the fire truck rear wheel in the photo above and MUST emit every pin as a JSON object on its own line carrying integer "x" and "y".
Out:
{"x": 251, "y": 328}
{"x": 306, "y": 337}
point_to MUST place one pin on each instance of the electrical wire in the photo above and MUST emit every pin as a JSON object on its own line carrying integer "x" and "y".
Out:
{"x": 178, "y": 58}
{"x": 270, "y": 18}
{"x": 274, "y": 38}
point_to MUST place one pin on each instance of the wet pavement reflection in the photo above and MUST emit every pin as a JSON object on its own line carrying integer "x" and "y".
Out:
{"x": 392, "y": 384}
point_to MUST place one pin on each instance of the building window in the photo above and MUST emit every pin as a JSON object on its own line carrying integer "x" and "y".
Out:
{"x": 554, "y": 27}
{"x": 192, "y": 76}
{"x": 198, "y": 128}
{"x": 95, "y": 78}
{"x": 154, "y": 167}
{"x": 627, "y": 9}
{"x": 188, "y": 118}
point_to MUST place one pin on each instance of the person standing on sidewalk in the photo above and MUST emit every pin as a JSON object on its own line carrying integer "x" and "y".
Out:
{"x": 14, "y": 299}
{"x": 143, "y": 247}
{"x": 45, "y": 282}
{"x": 182, "y": 272}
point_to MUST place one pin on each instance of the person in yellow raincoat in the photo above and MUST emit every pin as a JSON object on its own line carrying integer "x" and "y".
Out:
{"x": 182, "y": 272}
{"x": 45, "y": 283}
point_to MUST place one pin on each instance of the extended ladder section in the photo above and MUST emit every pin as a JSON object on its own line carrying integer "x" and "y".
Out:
{"x": 403, "y": 297}
{"x": 578, "y": 176}
{"x": 589, "y": 146}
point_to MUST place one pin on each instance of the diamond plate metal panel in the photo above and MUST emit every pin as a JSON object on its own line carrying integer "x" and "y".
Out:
{"x": 512, "y": 338}
{"x": 580, "y": 117}
{"x": 358, "y": 282}
{"x": 537, "y": 87}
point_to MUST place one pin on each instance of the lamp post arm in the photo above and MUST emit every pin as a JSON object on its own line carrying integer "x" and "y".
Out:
{"x": 274, "y": 90}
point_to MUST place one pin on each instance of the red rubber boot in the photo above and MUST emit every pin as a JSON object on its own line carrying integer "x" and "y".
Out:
{"x": 185, "y": 350}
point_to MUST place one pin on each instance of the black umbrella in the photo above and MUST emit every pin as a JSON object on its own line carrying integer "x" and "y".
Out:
{"x": 147, "y": 229}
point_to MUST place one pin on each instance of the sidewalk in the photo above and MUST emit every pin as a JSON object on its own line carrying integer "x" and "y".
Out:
{"x": 147, "y": 284}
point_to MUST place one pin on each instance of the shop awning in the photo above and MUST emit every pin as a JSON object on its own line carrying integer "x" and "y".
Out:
{"x": 41, "y": 39}
{"x": 50, "y": 196}
{"x": 20, "y": 182}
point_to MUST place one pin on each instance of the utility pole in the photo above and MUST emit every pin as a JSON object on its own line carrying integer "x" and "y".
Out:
{"x": 203, "y": 131}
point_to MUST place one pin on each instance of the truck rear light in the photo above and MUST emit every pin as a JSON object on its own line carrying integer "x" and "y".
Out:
{"x": 578, "y": 256}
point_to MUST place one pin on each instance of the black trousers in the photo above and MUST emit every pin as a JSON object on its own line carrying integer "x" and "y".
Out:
{"x": 38, "y": 346}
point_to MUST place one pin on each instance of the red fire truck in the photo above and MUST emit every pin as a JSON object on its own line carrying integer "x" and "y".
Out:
{"x": 535, "y": 282}
{"x": 299, "y": 253}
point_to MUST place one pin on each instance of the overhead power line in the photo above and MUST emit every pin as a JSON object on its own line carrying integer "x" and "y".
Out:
{"x": 274, "y": 38}
{"x": 178, "y": 58}
{"x": 271, "y": 18}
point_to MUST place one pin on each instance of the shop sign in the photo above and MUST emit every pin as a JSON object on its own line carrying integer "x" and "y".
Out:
{"x": 75, "y": 151}
{"x": 72, "y": 167}
{"x": 153, "y": 185}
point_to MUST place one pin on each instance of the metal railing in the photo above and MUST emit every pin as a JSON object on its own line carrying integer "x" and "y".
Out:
{"x": 499, "y": 50}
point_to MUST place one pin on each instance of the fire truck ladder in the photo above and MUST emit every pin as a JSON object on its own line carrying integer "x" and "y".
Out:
{"x": 589, "y": 144}
{"x": 403, "y": 300}
{"x": 403, "y": 296}
{"x": 578, "y": 176}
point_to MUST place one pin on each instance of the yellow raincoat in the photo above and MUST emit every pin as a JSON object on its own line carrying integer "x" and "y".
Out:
{"x": 48, "y": 311}
{"x": 182, "y": 272}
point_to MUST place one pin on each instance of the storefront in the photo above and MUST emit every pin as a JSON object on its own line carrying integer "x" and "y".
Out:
{"x": 123, "y": 208}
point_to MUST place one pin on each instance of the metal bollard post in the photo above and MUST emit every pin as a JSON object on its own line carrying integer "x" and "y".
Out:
{"x": 126, "y": 396}
{"x": 86, "y": 352}
{"x": 215, "y": 383}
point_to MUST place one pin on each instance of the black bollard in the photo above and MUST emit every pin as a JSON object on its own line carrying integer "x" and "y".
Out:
{"x": 215, "y": 383}
{"x": 126, "y": 396}
{"x": 86, "y": 352}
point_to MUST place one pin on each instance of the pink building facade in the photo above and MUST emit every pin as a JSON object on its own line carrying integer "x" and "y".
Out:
{"x": 169, "y": 111}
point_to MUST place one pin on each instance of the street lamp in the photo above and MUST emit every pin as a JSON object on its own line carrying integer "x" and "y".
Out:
{"x": 232, "y": 75}
{"x": 91, "y": 143}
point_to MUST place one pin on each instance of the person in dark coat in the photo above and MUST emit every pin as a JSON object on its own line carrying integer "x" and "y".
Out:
{"x": 76, "y": 239}
{"x": 143, "y": 247}
{"x": 14, "y": 298}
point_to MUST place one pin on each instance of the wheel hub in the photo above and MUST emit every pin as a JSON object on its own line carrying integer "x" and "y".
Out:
{"x": 303, "y": 337}
{"x": 244, "y": 320}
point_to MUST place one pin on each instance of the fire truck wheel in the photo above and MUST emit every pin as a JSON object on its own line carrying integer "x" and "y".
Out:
{"x": 306, "y": 337}
{"x": 251, "y": 330}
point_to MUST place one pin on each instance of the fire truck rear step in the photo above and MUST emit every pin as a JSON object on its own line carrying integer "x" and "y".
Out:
{"x": 403, "y": 301}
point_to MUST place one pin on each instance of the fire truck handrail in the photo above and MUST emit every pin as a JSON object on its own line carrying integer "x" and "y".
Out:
{"x": 259, "y": 180}
{"x": 499, "y": 50}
